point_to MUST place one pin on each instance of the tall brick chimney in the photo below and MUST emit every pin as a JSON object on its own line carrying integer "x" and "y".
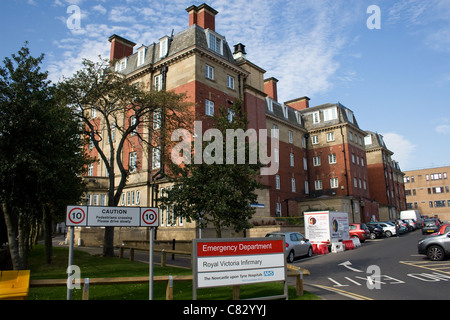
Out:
{"x": 270, "y": 88}
{"x": 299, "y": 103}
{"x": 204, "y": 16}
{"x": 120, "y": 47}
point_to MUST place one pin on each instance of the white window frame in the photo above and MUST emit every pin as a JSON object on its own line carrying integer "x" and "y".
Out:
{"x": 291, "y": 159}
{"x": 330, "y": 136}
{"x": 291, "y": 136}
{"x": 316, "y": 117}
{"x": 278, "y": 209}
{"x": 315, "y": 139}
{"x": 277, "y": 182}
{"x": 215, "y": 41}
{"x": 230, "y": 82}
{"x": 156, "y": 158}
{"x": 209, "y": 107}
{"x": 316, "y": 161}
{"x": 318, "y": 185}
{"x": 132, "y": 164}
{"x": 209, "y": 72}
{"x": 334, "y": 183}
{"x": 329, "y": 114}
{"x": 158, "y": 82}
{"x": 141, "y": 56}
{"x": 163, "y": 47}
{"x": 293, "y": 187}
{"x": 332, "y": 159}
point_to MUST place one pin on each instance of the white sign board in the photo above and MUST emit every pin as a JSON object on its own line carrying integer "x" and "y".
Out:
{"x": 326, "y": 226}
{"x": 92, "y": 216}
{"x": 238, "y": 261}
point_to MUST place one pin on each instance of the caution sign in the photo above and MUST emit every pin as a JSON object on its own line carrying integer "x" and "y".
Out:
{"x": 97, "y": 216}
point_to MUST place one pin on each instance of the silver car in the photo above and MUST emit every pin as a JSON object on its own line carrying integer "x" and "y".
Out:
{"x": 435, "y": 247}
{"x": 296, "y": 244}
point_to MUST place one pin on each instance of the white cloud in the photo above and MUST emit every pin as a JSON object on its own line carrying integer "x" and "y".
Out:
{"x": 443, "y": 129}
{"x": 403, "y": 149}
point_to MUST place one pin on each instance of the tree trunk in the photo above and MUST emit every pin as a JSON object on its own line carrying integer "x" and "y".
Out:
{"x": 12, "y": 237}
{"x": 47, "y": 223}
{"x": 108, "y": 242}
{"x": 24, "y": 236}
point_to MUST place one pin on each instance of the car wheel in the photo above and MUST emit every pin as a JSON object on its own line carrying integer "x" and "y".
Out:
{"x": 388, "y": 234}
{"x": 373, "y": 236}
{"x": 435, "y": 253}
{"x": 291, "y": 256}
{"x": 310, "y": 251}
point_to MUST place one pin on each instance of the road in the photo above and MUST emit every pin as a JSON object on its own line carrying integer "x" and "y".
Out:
{"x": 382, "y": 269}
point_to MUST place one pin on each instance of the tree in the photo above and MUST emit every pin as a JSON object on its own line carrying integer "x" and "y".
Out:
{"x": 118, "y": 112}
{"x": 38, "y": 148}
{"x": 221, "y": 192}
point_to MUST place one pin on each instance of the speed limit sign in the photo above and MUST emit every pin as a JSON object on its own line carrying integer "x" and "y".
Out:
{"x": 149, "y": 217}
{"x": 76, "y": 216}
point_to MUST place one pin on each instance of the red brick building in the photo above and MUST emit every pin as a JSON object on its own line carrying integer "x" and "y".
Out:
{"x": 321, "y": 153}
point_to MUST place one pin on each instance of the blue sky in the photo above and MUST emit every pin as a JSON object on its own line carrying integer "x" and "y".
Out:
{"x": 396, "y": 78}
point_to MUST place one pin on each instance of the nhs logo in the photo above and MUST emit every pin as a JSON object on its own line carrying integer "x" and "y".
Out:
{"x": 269, "y": 273}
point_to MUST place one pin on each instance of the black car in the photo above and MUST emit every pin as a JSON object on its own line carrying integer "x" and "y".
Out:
{"x": 430, "y": 226}
{"x": 376, "y": 231}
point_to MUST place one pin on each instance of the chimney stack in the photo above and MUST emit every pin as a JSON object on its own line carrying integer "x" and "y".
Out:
{"x": 299, "y": 103}
{"x": 120, "y": 47}
{"x": 204, "y": 16}
{"x": 270, "y": 88}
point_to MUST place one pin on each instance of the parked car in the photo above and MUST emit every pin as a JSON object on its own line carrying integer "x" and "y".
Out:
{"x": 435, "y": 247}
{"x": 430, "y": 226}
{"x": 403, "y": 225}
{"x": 359, "y": 230}
{"x": 412, "y": 224}
{"x": 376, "y": 231}
{"x": 296, "y": 244}
{"x": 442, "y": 229}
{"x": 388, "y": 227}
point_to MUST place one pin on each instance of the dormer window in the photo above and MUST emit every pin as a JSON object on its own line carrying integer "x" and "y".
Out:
{"x": 298, "y": 116}
{"x": 269, "y": 104}
{"x": 285, "y": 111}
{"x": 121, "y": 65}
{"x": 141, "y": 56}
{"x": 163, "y": 47}
{"x": 215, "y": 41}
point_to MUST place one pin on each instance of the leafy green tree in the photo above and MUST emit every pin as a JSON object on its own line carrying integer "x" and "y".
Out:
{"x": 39, "y": 154}
{"x": 219, "y": 193}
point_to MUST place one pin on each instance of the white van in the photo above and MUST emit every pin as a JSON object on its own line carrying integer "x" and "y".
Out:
{"x": 412, "y": 214}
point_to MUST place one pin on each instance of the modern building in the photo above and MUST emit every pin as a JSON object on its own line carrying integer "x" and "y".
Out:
{"x": 322, "y": 156}
{"x": 428, "y": 190}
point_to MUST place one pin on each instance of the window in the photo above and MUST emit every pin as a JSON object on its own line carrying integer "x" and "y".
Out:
{"x": 230, "y": 82}
{"x": 269, "y": 104}
{"x": 332, "y": 158}
{"x": 298, "y": 116}
{"x": 214, "y": 43}
{"x": 316, "y": 117}
{"x": 132, "y": 162}
{"x": 276, "y": 155}
{"x": 349, "y": 115}
{"x": 209, "y": 108}
{"x": 133, "y": 120}
{"x": 291, "y": 136}
{"x": 277, "y": 182}
{"x": 334, "y": 183}
{"x": 293, "y": 188}
{"x": 305, "y": 164}
{"x": 278, "y": 209}
{"x": 163, "y": 47}
{"x": 209, "y": 72}
{"x": 141, "y": 57}
{"x": 315, "y": 139}
{"x": 158, "y": 82}
{"x": 156, "y": 119}
{"x": 306, "y": 187}
{"x": 330, "y": 136}
{"x": 156, "y": 158}
{"x": 285, "y": 111}
{"x": 329, "y": 114}
{"x": 91, "y": 170}
{"x": 291, "y": 159}
{"x": 316, "y": 161}
{"x": 121, "y": 65}
{"x": 318, "y": 184}
{"x": 230, "y": 115}
{"x": 275, "y": 131}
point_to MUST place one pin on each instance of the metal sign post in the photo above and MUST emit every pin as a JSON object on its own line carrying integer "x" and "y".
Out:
{"x": 96, "y": 216}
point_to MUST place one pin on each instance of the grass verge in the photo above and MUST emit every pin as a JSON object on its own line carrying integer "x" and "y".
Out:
{"x": 94, "y": 266}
